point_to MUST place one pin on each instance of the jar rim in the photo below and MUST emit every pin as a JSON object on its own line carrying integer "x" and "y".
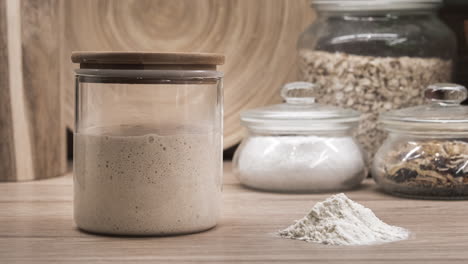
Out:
{"x": 375, "y": 5}
{"x": 147, "y": 60}
{"x": 447, "y": 129}
{"x": 172, "y": 74}
{"x": 298, "y": 126}
{"x": 148, "y": 76}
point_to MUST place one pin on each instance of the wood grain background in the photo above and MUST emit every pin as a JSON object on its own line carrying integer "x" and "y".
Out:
{"x": 41, "y": 72}
{"x": 258, "y": 38}
{"x": 32, "y": 131}
{"x": 7, "y": 147}
{"x": 37, "y": 98}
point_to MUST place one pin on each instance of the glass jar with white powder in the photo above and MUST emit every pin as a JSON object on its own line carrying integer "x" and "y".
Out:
{"x": 148, "y": 142}
{"x": 300, "y": 145}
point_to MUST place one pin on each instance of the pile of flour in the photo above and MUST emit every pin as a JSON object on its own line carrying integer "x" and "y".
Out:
{"x": 341, "y": 221}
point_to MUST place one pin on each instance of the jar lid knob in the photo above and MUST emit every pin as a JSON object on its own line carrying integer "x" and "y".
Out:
{"x": 298, "y": 93}
{"x": 446, "y": 93}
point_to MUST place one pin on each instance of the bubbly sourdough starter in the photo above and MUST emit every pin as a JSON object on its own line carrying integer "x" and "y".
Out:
{"x": 135, "y": 181}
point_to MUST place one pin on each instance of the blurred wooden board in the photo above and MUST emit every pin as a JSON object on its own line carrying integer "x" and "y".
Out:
{"x": 32, "y": 131}
{"x": 7, "y": 149}
{"x": 36, "y": 225}
{"x": 41, "y": 82}
{"x": 258, "y": 38}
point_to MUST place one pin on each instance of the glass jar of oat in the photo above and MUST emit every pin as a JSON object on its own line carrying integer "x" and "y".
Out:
{"x": 426, "y": 152}
{"x": 375, "y": 56}
{"x": 148, "y": 142}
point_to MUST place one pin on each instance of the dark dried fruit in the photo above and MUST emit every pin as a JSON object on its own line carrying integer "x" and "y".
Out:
{"x": 431, "y": 163}
{"x": 403, "y": 175}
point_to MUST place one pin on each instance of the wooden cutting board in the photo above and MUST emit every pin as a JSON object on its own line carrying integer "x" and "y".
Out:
{"x": 258, "y": 38}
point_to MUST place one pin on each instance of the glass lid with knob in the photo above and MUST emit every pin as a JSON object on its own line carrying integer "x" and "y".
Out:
{"x": 443, "y": 114}
{"x": 366, "y": 5}
{"x": 299, "y": 113}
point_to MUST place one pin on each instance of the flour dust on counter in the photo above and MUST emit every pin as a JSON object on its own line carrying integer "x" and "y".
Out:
{"x": 340, "y": 221}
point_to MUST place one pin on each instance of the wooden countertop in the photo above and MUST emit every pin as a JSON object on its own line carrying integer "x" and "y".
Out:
{"x": 36, "y": 225}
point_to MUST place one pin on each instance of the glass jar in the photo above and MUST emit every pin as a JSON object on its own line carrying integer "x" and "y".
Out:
{"x": 300, "y": 146}
{"x": 375, "y": 56}
{"x": 426, "y": 152}
{"x": 147, "y": 142}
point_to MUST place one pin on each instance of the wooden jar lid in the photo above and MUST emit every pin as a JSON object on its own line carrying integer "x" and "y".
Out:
{"x": 146, "y": 60}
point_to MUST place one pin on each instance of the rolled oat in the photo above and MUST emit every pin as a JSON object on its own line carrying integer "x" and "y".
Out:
{"x": 371, "y": 85}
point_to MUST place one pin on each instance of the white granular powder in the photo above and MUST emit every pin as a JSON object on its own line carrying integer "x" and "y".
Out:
{"x": 340, "y": 221}
{"x": 300, "y": 163}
